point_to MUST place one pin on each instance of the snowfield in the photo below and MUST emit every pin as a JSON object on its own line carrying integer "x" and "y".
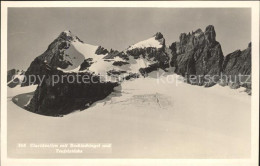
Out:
{"x": 151, "y": 42}
{"x": 144, "y": 118}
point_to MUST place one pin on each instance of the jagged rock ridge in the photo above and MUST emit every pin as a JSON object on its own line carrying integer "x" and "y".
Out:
{"x": 237, "y": 66}
{"x": 198, "y": 54}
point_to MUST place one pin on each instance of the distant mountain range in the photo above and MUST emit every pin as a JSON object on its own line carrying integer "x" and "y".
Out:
{"x": 197, "y": 56}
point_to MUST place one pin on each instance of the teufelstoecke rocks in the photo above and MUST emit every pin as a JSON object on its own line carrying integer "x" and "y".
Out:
{"x": 54, "y": 55}
{"x": 237, "y": 66}
{"x": 198, "y": 54}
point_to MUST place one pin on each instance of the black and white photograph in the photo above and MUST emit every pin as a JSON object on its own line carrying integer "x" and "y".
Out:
{"x": 129, "y": 81}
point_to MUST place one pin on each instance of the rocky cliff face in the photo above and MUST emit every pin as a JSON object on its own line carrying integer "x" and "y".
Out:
{"x": 54, "y": 56}
{"x": 237, "y": 69}
{"x": 115, "y": 53}
{"x": 57, "y": 98}
{"x": 198, "y": 56}
{"x": 11, "y": 73}
{"x": 101, "y": 51}
{"x": 65, "y": 97}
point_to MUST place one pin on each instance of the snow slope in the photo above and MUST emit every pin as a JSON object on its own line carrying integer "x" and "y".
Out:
{"x": 145, "y": 118}
{"x": 136, "y": 64}
{"x": 151, "y": 42}
{"x": 80, "y": 51}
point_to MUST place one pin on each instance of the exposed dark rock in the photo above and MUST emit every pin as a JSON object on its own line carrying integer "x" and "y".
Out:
{"x": 13, "y": 77}
{"x": 120, "y": 63}
{"x": 79, "y": 39}
{"x": 101, "y": 51}
{"x": 153, "y": 67}
{"x": 115, "y": 72}
{"x": 173, "y": 60}
{"x": 11, "y": 73}
{"x": 152, "y": 54}
{"x": 210, "y": 34}
{"x": 108, "y": 60}
{"x": 86, "y": 64}
{"x": 237, "y": 69}
{"x": 158, "y": 35}
{"x": 160, "y": 38}
{"x": 198, "y": 56}
{"x": 114, "y": 53}
{"x": 14, "y": 83}
{"x": 53, "y": 56}
{"x": 57, "y": 98}
{"x": 132, "y": 76}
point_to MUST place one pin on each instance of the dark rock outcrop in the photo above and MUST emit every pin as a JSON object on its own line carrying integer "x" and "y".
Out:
{"x": 11, "y": 73}
{"x": 115, "y": 53}
{"x": 64, "y": 96}
{"x": 101, "y": 51}
{"x": 159, "y": 37}
{"x": 119, "y": 63}
{"x": 237, "y": 69}
{"x": 115, "y": 72}
{"x": 86, "y": 64}
{"x": 57, "y": 98}
{"x": 53, "y": 56}
{"x": 14, "y": 77}
{"x": 198, "y": 57}
{"x": 131, "y": 76}
{"x": 159, "y": 57}
{"x": 153, "y": 67}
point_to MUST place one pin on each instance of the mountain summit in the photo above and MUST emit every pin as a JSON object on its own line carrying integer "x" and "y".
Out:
{"x": 198, "y": 53}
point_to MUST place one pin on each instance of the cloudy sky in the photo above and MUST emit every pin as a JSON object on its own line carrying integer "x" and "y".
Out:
{"x": 31, "y": 30}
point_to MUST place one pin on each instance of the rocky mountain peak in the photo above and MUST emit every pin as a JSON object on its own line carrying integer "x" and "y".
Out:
{"x": 210, "y": 34}
{"x": 192, "y": 54}
{"x": 66, "y": 35}
{"x": 101, "y": 51}
{"x": 198, "y": 31}
{"x": 158, "y": 35}
{"x": 183, "y": 38}
{"x": 249, "y": 44}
